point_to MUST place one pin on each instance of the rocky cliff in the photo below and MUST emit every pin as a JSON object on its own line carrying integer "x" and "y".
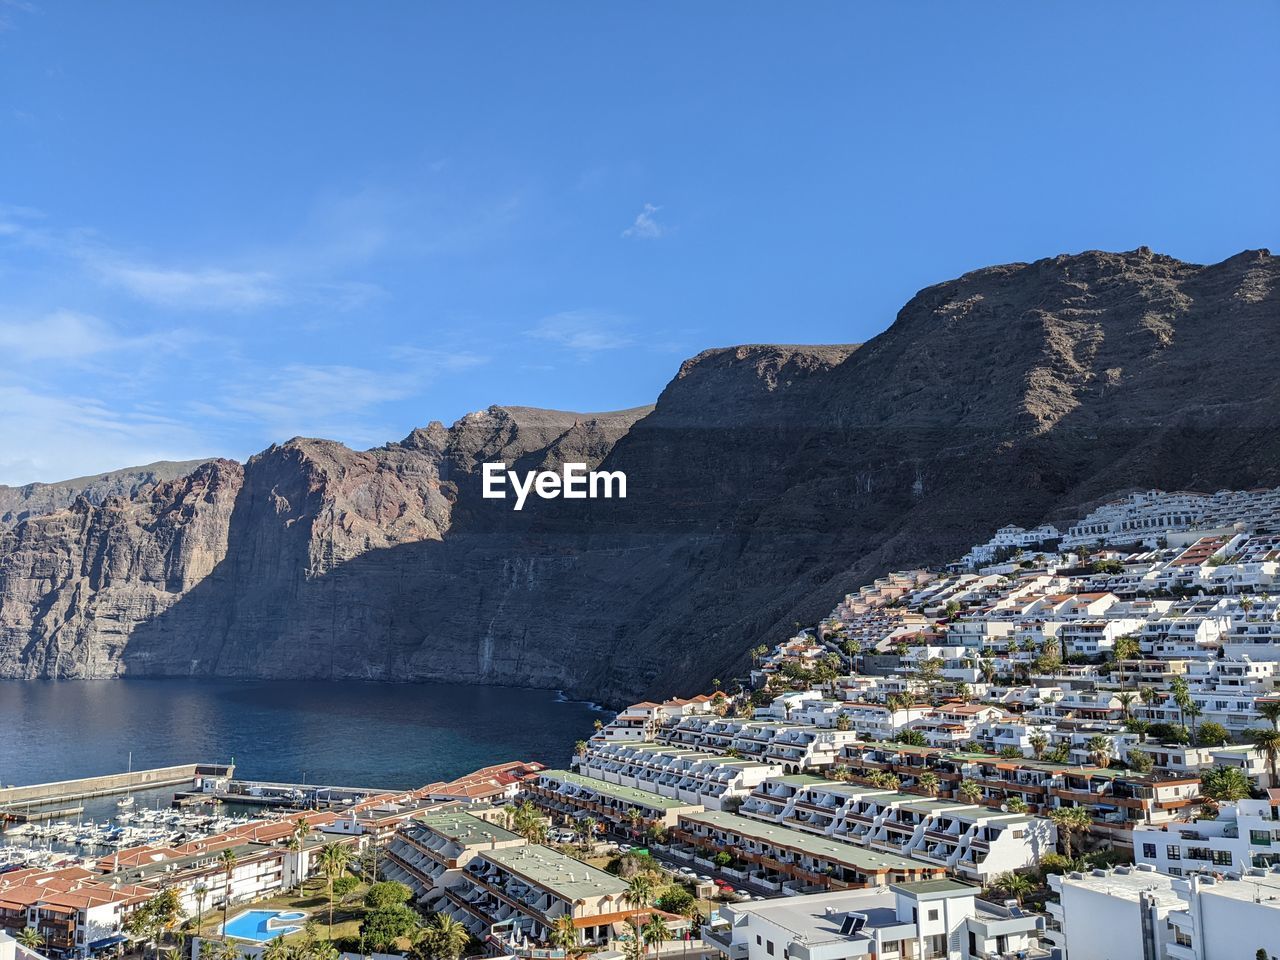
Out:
{"x": 34, "y": 499}
{"x": 764, "y": 483}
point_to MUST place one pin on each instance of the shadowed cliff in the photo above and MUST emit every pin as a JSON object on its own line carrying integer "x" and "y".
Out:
{"x": 766, "y": 482}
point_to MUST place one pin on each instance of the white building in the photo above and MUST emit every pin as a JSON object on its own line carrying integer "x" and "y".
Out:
{"x": 1245, "y": 835}
{"x": 940, "y": 919}
{"x": 689, "y": 775}
{"x": 1135, "y": 912}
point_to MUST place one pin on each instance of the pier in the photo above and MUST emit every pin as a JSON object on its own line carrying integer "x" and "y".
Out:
{"x": 22, "y": 803}
{"x": 294, "y": 796}
{"x": 40, "y": 813}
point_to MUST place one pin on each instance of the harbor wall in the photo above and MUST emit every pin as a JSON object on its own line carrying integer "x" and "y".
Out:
{"x": 41, "y": 793}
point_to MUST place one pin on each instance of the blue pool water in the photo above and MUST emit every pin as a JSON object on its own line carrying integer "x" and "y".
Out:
{"x": 263, "y": 925}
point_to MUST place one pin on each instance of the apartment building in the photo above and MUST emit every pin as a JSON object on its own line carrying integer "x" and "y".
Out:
{"x": 513, "y": 896}
{"x": 1137, "y": 912}
{"x": 940, "y": 919}
{"x": 967, "y": 839}
{"x": 429, "y": 854}
{"x": 567, "y": 794}
{"x": 76, "y": 913}
{"x": 692, "y": 776}
{"x": 1245, "y": 835}
{"x": 779, "y": 858}
{"x": 795, "y": 746}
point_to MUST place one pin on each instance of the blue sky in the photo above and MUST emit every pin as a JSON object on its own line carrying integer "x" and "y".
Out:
{"x": 223, "y": 225}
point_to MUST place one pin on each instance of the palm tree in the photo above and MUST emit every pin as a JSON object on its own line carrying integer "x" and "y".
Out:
{"x": 1193, "y": 710}
{"x": 1038, "y": 743}
{"x": 851, "y": 649}
{"x": 1126, "y": 698}
{"x": 1099, "y": 748}
{"x": 656, "y": 932}
{"x": 639, "y": 891}
{"x": 333, "y": 861}
{"x": 1069, "y": 820}
{"x": 1270, "y": 710}
{"x": 1014, "y": 885}
{"x": 1267, "y": 743}
{"x": 929, "y": 783}
{"x": 971, "y": 791}
{"x": 30, "y": 938}
{"x": 277, "y": 949}
{"x": 634, "y": 816}
{"x": 227, "y": 860}
{"x": 450, "y": 938}
{"x": 564, "y": 935}
{"x": 221, "y": 950}
{"x": 200, "y": 892}
{"x": 589, "y": 826}
{"x": 1225, "y": 784}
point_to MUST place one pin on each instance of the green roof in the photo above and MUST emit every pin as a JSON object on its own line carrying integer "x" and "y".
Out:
{"x": 564, "y": 876}
{"x": 466, "y": 829}
{"x": 818, "y": 846}
{"x": 626, "y": 794}
{"x": 931, "y": 888}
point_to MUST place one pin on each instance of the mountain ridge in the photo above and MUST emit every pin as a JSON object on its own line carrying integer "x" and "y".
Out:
{"x": 765, "y": 481}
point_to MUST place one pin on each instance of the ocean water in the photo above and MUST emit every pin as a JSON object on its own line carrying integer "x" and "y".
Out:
{"x": 341, "y": 733}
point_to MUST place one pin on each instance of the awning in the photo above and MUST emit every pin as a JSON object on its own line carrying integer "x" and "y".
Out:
{"x": 107, "y": 942}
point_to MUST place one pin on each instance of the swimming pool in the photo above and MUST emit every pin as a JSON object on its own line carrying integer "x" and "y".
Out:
{"x": 263, "y": 925}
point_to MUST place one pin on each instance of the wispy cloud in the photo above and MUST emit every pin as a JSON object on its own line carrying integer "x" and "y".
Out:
{"x": 646, "y": 225}
{"x": 67, "y": 338}
{"x": 53, "y": 435}
{"x": 583, "y": 331}
{"x": 331, "y": 400}
{"x": 204, "y": 288}
{"x": 10, "y": 7}
{"x": 200, "y": 286}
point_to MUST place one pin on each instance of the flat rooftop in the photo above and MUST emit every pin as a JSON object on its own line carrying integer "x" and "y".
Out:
{"x": 565, "y": 877}
{"x": 626, "y": 794}
{"x": 861, "y": 857}
{"x": 808, "y": 920}
{"x": 1128, "y": 885}
{"x": 465, "y": 829}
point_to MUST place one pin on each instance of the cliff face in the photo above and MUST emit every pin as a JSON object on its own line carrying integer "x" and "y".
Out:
{"x": 35, "y": 499}
{"x": 765, "y": 483}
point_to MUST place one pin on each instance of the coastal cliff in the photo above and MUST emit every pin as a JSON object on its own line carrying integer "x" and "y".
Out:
{"x": 764, "y": 483}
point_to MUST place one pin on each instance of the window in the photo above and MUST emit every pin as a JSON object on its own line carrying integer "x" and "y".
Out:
{"x": 1172, "y": 852}
{"x": 759, "y": 939}
{"x": 933, "y": 914}
{"x": 1148, "y": 851}
{"x": 769, "y": 947}
{"x": 1175, "y": 871}
{"x": 1222, "y": 858}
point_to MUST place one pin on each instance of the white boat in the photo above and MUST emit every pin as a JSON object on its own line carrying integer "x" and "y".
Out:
{"x": 125, "y": 802}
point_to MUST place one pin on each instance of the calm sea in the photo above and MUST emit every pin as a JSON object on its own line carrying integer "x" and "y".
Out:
{"x": 348, "y": 734}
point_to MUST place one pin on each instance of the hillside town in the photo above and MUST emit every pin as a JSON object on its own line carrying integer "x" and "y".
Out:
{"x": 1065, "y": 744}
